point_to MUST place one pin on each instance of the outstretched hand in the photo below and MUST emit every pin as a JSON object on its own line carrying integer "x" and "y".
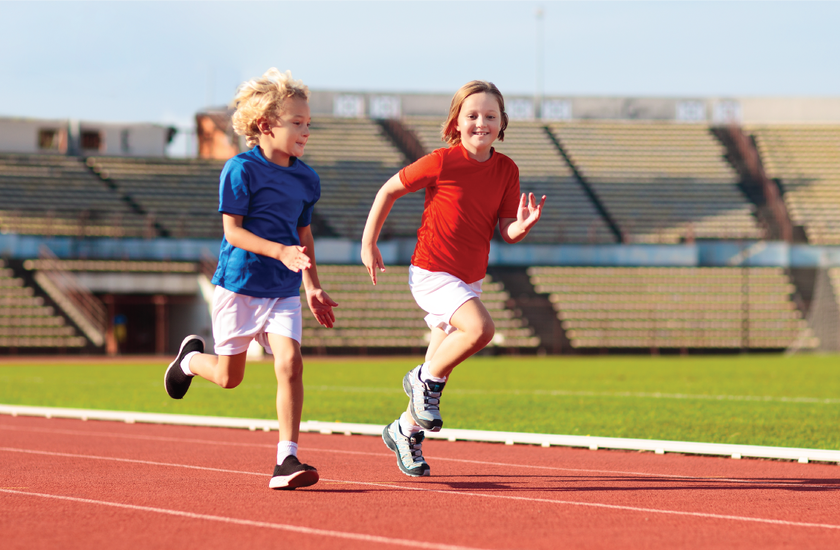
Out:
{"x": 529, "y": 211}
{"x": 321, "y": 305}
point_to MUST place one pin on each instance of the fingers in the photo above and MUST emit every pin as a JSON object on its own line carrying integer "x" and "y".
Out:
{"x": 377, "y": 264}
{"x": 295, "y": 258}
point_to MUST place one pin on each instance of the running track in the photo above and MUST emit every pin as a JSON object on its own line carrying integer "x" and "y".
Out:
{"x": 72, "y": 484}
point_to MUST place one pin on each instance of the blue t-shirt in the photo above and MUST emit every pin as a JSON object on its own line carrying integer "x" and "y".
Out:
{"x": 274, "y": 201}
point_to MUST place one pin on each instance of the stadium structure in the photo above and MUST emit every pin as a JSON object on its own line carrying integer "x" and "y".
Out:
{"x": 680, "y": 225}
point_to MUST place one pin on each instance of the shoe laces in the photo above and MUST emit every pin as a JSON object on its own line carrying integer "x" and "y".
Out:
{"x": 416, "y": 448}
{"x": 431, "y": 399}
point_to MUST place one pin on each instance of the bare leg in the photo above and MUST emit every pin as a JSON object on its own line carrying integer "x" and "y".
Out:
{"x": 435, "y": 341}
{"x": 475, "y": 330}
{"x": 447, "y": 351}
{"x": 225, "y": 370}
{"x": 288, "y": 367}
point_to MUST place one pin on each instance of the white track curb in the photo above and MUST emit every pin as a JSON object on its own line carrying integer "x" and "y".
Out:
{"x": 508, "y": 438}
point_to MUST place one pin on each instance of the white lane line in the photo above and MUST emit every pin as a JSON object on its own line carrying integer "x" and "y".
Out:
{"x": 437, "y": 458}
{"x": 464, "y": 493}
{"x": 571, "y": 393}
{"x": 413, "y": 543}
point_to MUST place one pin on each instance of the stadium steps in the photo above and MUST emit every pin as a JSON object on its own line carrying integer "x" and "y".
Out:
{"x": 743, "y": 156}
{"x": 30, "y": 322}
{"x": 599, "y": 206}
{"x": 535, "y": 309}
{"x": 804, "y": 160}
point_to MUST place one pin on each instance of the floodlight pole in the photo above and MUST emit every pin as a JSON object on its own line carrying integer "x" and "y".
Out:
{"x": 538, "y": 91}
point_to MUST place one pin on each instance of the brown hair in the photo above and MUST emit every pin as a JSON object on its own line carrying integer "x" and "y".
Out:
{"x": 448, "y": 132}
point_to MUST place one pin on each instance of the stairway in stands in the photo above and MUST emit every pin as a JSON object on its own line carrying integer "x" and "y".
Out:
{"x": 28, "y": 320}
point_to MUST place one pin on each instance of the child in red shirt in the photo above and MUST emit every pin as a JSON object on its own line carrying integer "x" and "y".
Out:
{"x": 469, "y": 189}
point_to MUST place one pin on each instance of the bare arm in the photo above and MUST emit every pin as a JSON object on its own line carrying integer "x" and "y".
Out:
{"x": 293, "y": 257}
{"x": 515, "y": 229}
{"x": 318, "y": 300}
{"x": 385, "y": 199}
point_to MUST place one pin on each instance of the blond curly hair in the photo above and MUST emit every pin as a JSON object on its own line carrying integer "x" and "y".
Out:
{"x": 263, "y": 98}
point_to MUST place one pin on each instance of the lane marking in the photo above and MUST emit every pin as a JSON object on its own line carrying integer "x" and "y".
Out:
{"x": 570, "y": 393}
{"x": 413, "y": 543}
{"x": 454, "y": 492}
{"x": 439, "y": 458}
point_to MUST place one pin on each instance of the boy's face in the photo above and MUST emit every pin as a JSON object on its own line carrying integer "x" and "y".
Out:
{"x": 286, "y": 135}
{"x": 479, "y": 123}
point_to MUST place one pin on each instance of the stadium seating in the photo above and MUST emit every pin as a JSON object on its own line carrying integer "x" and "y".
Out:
{"x": 354, "y": 159}
{"x": 806, "y": 161}
{"x": 57, "y": 195}
{"x": 569, "y": 216}
{"x": 673, "y": 307}
{"x": 25, "y": 322}
{"x": 661, "y": 182}
{"x": 180, "y": 196}
{"x": 386, "y": 316}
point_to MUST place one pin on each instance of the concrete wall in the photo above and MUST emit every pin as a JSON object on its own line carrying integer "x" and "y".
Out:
{"x": 18, "y": 135}
{"x": 116, "y": 139}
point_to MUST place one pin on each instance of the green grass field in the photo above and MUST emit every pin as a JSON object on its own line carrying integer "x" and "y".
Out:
{"x": 745, "y": 399}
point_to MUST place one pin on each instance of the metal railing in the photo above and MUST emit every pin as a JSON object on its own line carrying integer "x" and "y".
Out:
{"x": 85, "y": 309}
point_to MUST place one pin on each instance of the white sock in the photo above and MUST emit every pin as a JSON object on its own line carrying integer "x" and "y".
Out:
{"x": 185, "y": 363}
{"x": 426, "y": 375}
{"x": 407, "y": 425}
{"x": 284, "y": 449}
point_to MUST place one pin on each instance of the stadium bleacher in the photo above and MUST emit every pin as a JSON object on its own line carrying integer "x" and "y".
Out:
{"x": 661, "y": 182}
{"x": 181, "y": 197}
{"x": 354, "y": 159}
{"x": 656, "y": 182}
{"x": 649, "y": 307}
{"x": 25, "y": 322}
{"x": 57, "y": 195}
{"x": 805, "y": 159}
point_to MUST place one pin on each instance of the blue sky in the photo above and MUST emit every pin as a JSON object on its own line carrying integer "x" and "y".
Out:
{"x": 163, "y": 61}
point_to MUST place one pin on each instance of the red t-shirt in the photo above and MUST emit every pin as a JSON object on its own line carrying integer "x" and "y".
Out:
{"x": 464, "y": 201}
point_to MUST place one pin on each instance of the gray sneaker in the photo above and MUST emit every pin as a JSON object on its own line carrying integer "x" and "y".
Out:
{"x": 408, "y": 450}
{"x": 425, "y": 400}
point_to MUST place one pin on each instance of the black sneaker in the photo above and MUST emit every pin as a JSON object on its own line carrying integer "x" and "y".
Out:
{"x": 175, "y": 381}
{"x": 292, "y": 474}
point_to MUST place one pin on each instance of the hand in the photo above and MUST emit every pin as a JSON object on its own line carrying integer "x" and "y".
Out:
{"x": 321, "y": 305}
{"x": 294, "y": 257}
{"x": 529, "y": 211}
{"x": 372, "y": 259}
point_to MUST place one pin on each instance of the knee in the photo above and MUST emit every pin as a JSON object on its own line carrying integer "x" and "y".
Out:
{"x": 228, "y": 380}
{"x": 289, "y": 368}
{"x": 488, "y": 330}
{"x": 483, "y": 332}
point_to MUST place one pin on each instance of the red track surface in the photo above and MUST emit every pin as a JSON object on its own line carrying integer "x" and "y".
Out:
{"x": 71, "y": 484}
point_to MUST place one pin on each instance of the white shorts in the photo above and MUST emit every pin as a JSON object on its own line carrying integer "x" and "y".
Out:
{"x": 440, "y": 295}
{"x": 239, "y": 319}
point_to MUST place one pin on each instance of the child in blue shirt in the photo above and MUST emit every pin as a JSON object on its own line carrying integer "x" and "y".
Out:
{"x": 266, "y": 197}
